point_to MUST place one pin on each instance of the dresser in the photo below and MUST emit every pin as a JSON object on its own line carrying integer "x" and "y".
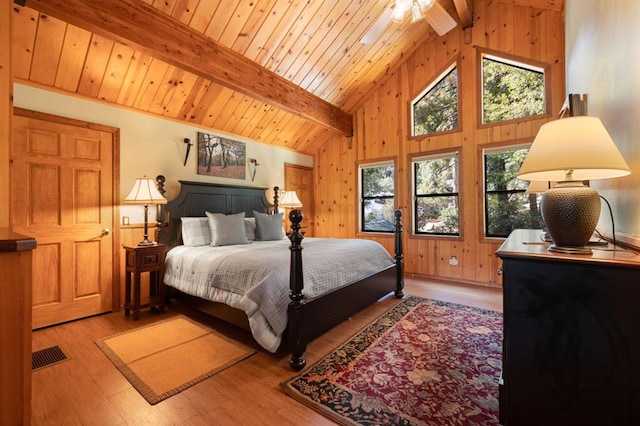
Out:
{"x": 571, "y": 349}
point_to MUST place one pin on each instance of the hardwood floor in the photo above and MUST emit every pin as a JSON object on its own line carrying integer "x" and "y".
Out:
{"x": 88, "y": 390}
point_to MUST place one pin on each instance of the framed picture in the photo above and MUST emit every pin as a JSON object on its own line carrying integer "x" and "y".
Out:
{"x": 221, "y": 157}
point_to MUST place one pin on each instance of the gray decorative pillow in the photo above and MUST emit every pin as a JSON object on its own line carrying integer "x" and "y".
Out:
{"x": 195, "y": 231}
{"x": 227, "y": 229}
{"x": 250, "y": 227}
{"x": 268, "y": 226}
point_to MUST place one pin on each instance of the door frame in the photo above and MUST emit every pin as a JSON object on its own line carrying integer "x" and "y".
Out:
{"x": 115, "y": 186}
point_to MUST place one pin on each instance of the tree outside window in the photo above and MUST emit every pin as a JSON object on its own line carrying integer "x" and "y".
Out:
{"x": 436, "y": 198}
{"x": 377, "y": 197}
{"x": 508, "y": 205}
{"x": 436, "y": 109}
{"x": 511, "y": 90}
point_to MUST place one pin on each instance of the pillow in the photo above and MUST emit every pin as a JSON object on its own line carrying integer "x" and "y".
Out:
{"x": 195, "y": 231}
{"x": 227, "y": 229}
{"x": 250, "y": 227}
{"x": 268, "y": 226}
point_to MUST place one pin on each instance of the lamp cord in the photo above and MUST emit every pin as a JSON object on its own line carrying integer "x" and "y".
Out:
{"x": 613, "y": 225}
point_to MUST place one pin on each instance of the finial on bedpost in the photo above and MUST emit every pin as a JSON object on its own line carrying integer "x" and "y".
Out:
{"x": 160, "y": 180}
{"x": 276, "y": 195}
{"x": 296, "y": 283}
{"x": 399, "y": 293}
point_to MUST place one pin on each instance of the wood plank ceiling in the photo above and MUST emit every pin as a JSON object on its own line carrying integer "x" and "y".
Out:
{"x": 288, "y": 73}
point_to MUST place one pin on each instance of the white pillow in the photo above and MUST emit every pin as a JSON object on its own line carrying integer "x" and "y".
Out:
{"x": 227, "y": 229}
{"x": 269, "y": 226}
{"x": 195, "y": 231}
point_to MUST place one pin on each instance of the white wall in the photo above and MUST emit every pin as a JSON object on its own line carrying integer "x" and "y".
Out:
{"x": 151, "y": 146}
{"x": 603, "y": 61}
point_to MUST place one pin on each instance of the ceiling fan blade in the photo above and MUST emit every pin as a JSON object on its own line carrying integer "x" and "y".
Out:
{"x": 439, "y": 19}
{"x": 378, "y": 27}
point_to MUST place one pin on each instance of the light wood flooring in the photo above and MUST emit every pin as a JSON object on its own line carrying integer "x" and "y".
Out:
{"x": 88, "y": 390}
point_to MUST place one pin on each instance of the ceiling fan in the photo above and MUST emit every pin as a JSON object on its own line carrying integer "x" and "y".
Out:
{"x": 430, "y": 10}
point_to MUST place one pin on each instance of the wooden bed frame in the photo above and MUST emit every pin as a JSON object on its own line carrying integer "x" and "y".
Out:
{"x": 307, "y": 318}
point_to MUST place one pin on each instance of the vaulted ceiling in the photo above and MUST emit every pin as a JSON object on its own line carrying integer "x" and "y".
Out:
{"x": 288, "y": 73}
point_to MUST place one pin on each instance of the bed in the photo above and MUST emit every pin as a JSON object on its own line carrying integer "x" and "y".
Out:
{"x": 284, "y": 304}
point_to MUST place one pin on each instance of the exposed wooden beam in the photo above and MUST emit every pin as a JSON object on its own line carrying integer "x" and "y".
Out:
{"x": 138, "y": 24}
{"x": 465, "y": 12}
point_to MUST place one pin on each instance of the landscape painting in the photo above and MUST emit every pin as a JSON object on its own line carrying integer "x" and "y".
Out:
{"x": 221, "y": 157}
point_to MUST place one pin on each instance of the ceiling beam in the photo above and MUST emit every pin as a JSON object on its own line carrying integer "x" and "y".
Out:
{"x": 139, "y": 25}
{"x": 465, "y": 12}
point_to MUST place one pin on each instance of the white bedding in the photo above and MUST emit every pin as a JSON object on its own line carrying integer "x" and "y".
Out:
{"x": 255, "y": 277}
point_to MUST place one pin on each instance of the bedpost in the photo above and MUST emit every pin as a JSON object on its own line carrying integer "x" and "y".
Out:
{"x": 276, "y": 195}
{"x": 160, "y": 216}
{"x": 297, "y": 345}
{"x": 399, "y": 256}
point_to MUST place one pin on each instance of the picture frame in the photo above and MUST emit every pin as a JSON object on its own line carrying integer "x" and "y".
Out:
{"x": 221, "y": 157}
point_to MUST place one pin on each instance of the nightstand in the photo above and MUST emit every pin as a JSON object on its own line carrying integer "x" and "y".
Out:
{"x": 140, "y": 259}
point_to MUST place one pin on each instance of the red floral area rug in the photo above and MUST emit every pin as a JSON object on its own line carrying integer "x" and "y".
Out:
{"x": 423, "y": 362}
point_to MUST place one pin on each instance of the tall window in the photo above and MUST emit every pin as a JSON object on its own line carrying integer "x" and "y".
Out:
{"x": 377, "y": 189}
{"x": 436, "y": 199}
{"x": 508, "y": 205}
{"x": 436, "y": 108}
{"x": 511, "y": 90}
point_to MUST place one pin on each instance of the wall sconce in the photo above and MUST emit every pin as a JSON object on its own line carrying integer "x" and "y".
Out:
{"x": 253, "y": 162}
{"x": 186, "y": 154}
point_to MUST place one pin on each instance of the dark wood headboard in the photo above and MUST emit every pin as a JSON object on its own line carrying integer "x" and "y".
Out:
{"x": 196, "y": 198}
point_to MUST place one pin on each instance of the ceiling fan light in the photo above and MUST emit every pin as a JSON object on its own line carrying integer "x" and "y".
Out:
{"x": 426, "y": 4}
{"x": 416, "y": 13}
{"x": 399, "y": 11}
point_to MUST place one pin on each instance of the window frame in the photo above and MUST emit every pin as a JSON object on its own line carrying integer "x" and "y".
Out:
{"x": 443, "y": 72}
{"x": 360, "y": 196}
{"x": 512, "y": 146}
{"x": 518, "y": 62}
{"x": 436, "y": 155}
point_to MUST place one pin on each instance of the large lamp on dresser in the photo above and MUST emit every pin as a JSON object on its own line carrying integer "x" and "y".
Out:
{"x": 571, "y": 151}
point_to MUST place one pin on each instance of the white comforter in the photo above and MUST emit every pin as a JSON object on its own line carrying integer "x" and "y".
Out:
{"x": 255, "y": 277}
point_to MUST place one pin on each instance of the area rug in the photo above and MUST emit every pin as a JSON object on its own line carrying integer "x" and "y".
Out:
{"x": 423, "y": 362}
{"x": 165, "y": 358}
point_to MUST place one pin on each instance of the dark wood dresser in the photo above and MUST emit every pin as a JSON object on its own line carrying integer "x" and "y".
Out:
{"x": 571, "y": 350}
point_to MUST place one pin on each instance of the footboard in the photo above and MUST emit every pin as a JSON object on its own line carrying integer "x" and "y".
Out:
{"x": 308, "y": 319}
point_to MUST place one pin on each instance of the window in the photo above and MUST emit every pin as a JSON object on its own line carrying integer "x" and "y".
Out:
{"x": 511, "y": 90}
{"x": 436, "y": 108}
{"x": 436, "y": 208}
{"x": 377, "y": 204}
{"x": 508, "y": 205}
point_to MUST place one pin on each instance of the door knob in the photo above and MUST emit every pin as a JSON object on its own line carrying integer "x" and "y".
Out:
{"x": 106, "y": 231}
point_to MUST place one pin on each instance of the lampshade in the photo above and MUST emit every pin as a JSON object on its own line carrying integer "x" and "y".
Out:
{"x": 145, "y": 192}
{"x": 570, "y": 151}
{"x": 578, "y": 144}
{"x": 290, "y": 200}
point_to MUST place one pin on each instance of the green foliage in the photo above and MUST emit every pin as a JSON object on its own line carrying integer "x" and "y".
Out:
{"x": 437, "y": 110}
{"x": 437, "y": 209}
{"x": 508, "y": 206}
{"x": 510, "y": 92}
{"x": 378, "y": 188}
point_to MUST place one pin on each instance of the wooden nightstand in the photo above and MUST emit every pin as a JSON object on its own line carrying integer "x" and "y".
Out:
{"x": 141, "y": 259}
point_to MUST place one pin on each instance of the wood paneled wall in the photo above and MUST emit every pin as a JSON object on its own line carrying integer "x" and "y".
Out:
{"x": 381, "y": 132}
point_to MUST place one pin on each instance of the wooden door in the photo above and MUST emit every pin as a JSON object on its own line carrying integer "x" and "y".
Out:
{"x": 300, "y": 179}
{"x": 62, "y": 194}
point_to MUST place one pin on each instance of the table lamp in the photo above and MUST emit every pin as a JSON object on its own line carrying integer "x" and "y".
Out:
{"x": 290, "y": 200}
{"x": 145, "y": 192}
{"x": 570, "y": 151}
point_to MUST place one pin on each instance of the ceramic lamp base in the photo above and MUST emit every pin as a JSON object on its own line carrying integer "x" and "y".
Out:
{"x": 570, "y": 211}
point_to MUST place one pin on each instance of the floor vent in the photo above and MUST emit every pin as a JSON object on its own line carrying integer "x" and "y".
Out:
{"x": 46, "y": 357}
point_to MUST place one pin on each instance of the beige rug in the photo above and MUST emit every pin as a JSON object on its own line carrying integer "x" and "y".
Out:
{"x": 165, "y": 358}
